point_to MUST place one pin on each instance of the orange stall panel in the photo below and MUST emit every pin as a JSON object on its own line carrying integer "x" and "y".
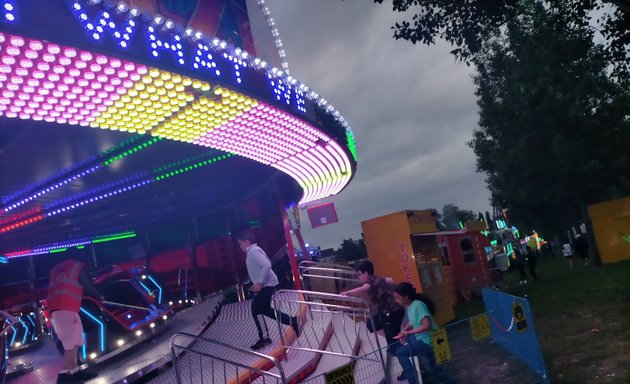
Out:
{"x": 388, "y": 240}
{"x": 611, "y": 227}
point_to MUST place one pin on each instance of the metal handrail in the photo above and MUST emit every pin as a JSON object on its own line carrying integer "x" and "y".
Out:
{"x": 324, "y": 304}
{"x": 173, "y": 346}
{"x": 12, "y": 322}
{"x": 309, "y": 269}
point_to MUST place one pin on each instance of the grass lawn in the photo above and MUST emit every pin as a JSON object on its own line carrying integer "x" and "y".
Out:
{"x": 582, "y": 318}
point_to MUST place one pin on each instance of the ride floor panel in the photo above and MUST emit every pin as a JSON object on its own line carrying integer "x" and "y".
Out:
{"x": 130, "y": 364}
{"x": 235, "y": 327}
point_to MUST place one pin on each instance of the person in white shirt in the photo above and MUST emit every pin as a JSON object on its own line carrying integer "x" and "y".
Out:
{"x": 567, "y": 251}
{"x": 265, "y": 282}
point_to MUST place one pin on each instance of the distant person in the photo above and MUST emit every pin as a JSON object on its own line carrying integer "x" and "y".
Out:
{"x": 416, "y": 336}
{"x": 265, "y": 282}
{"x": 581, "y": 248}
{"x": 519, "y": 264}
{"x": 567, "y": 252}
{"x": 531, "y": 262}
{"x": 381, "y": 292}
{"x": 68, "y": 284}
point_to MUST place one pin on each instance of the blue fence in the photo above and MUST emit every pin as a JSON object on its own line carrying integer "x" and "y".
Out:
{"x": 512, "y": 326}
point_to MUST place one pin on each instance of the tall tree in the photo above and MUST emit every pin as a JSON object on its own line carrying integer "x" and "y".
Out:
{"x": 452, "y": 215}
{"x": 352, "y": 249}
{"x": 467, "y": 23}
{"x": 554, "y": 129}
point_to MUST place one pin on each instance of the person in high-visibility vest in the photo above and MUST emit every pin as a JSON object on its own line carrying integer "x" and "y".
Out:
{"x": 67, "y": 286}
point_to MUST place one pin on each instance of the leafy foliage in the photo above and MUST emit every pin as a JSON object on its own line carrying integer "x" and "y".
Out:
{"x": 554, "y": 130}
{"x": 452, "y": 215}
{"x": 466, "y": 24}
{"x": 352, "y": 250}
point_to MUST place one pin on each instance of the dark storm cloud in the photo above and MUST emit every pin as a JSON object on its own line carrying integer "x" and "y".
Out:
{"x": 412, "y": 110}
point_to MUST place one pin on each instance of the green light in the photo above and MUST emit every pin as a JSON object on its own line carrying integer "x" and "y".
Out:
{"x": 58, "y": 250}
{"x": 461, "y": 226}
{"x": 80, "y": 246}
{"x": 125, "y": 235}
{"x": 493, "y": 242}
{"x": 352, "y": 145}
{"x": 186, "y": 168}
{"x": 133, "y": 150}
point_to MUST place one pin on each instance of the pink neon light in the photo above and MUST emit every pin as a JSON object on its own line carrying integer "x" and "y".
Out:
{"x": 58, "y": 98}
{"x": 67, "y": 85}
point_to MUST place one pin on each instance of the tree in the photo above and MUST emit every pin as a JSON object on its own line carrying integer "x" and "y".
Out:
{"x": 452, "y": 215}
{"x": 352, "y": 250}
{"x": 466, "y": 24}
{"x": 553, "y": 131}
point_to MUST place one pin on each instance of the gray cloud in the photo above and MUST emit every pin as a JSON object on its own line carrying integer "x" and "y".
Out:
{"x": 412, "y": 110}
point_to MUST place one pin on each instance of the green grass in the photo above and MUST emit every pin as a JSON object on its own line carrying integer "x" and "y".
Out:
{"x": 582, "y": 318}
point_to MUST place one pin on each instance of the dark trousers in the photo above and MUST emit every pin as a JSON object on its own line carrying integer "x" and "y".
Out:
{"x": 261, "y": 305}
{"x": 392, "y": 323}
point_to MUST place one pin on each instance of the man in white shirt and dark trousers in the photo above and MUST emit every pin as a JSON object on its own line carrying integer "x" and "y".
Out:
{"x": 265, "y": 282}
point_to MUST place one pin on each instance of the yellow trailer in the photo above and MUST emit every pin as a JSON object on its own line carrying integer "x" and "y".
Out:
{"x": 611, "y": 227}
{"x": 396, "y": 253}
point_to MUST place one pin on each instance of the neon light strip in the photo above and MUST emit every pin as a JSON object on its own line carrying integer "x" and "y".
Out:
{"x": 42, "y": 192}
{"x": 101, "y": 331}
{"x": 13, "y": 337}
{"x": 145, "y": 288}
{"x": 78, "y": 243}
{"x": 25, "y": 329}
{"x": 114, "y": 238}
{"x": 44, "y": 81}
{"x": 158, "y": 287}
{"x": 34, "y": 325}
{"x": 84, "y": 348}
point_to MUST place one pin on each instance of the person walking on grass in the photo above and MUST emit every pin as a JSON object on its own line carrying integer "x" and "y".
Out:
{"x": 265, "y": 282}
{"x": 567, "y": 251}
{"x": 416, "y": 337}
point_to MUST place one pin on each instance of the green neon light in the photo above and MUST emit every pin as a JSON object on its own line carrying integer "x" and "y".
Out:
{"x": 133, "y": 150}
{"x": 80, "y": 246}
{"x": 116, "y": 237}
{"x": 494, "y": 242}
{"x": 188, "y": 168}
{"x": 58, "y": 250}
{"x": 122, "y": 145}
{"x": 352, "y": 144}
{"x": 461, "y": 226}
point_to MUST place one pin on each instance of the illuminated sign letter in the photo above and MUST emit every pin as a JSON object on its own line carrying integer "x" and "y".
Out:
{"x": 174, "y": 45}
{"x": 8, "y": 10}
{"x": 95, "y": 27}
{"x": 203, "y": 59}
{"x": 284, "y": 92}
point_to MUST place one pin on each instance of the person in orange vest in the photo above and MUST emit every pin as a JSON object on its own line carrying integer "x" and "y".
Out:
{"x": 68, "y": 284}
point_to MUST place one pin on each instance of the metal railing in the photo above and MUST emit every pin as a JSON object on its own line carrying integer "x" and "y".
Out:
{"x": 200, "y": 360}
{"x": 341, "y": 319}
{"x": 8, "y": 321}
{"x": 325, "y": 277}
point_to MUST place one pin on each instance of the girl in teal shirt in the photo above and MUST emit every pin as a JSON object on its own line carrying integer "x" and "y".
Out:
{"x": 416, "y": 336}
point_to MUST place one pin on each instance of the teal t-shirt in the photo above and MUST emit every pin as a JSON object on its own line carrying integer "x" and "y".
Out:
{"x": 417, "y": 311}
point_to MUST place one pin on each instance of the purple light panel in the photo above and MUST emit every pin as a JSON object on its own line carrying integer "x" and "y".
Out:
{"x": 49, "y": 82}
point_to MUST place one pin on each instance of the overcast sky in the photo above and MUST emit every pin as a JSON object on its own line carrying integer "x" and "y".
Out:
{"x": 412, "y": 110}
